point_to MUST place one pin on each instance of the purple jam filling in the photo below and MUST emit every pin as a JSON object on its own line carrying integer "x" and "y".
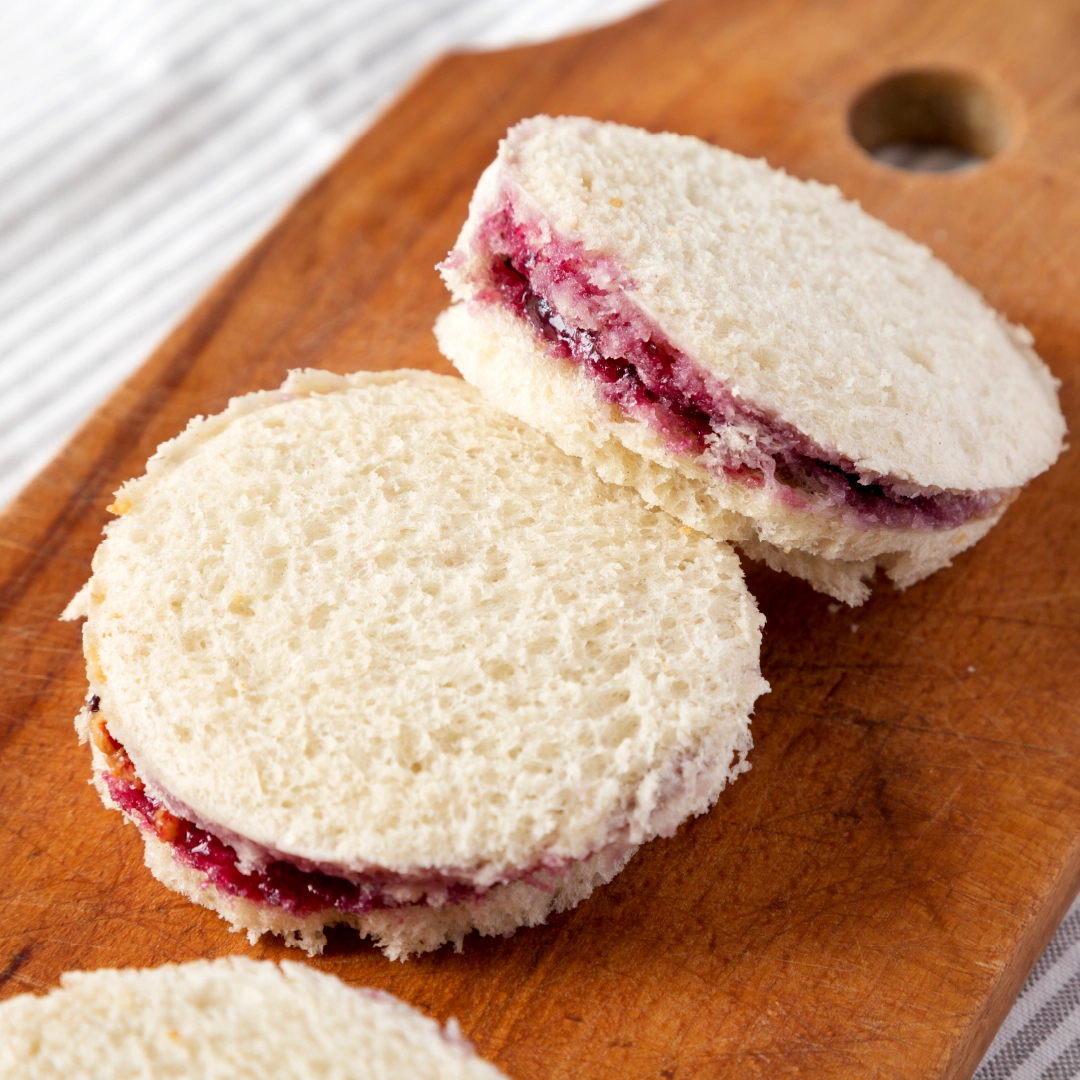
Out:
{"x": 278, "y": 883}
{"x": 576, "y": 305}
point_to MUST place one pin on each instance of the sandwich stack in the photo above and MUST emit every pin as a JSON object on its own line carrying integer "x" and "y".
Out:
{"x": 366, "y": 650}
{"x": 751, "y": 352}
{"x": 373, "y": 650}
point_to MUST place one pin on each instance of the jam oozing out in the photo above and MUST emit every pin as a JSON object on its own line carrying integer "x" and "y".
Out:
{"x": 278, "y": 883}
{"x": 566, "y": 297}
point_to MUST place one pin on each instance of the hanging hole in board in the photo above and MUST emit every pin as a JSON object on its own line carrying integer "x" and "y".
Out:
{"x": 930, "y": 121}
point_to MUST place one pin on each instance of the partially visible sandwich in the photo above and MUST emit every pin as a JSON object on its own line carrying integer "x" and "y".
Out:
{"x": 750, "y": 352}
{"x": 367, "y": 650}
{"x": 223, "y": 1020}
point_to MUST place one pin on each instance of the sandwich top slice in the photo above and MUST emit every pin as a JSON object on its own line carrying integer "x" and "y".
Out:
{"x": 367, "y": 650}
{"x": 227, "y": 1019}
{"x": 751, "y": 352}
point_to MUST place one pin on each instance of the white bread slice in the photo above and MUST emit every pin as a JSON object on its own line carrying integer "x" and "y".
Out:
{"x": 371, "y": 626}
{"x": 226, "y": 1019}
{"x": 793, "y": 299}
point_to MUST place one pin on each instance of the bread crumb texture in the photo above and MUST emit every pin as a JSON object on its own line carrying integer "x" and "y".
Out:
{"x": 224, "y": 1020}
{"x": 369, "y": 621}
{"x": 794, "y": 296}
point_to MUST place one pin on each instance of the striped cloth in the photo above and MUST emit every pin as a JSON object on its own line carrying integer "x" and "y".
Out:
{"x": 145, "y": 144}
{"x": 1040, "y": 1039}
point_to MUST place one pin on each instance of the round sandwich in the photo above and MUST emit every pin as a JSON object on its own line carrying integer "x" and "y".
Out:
{"x": 224, "y": 1020}
{"x": 366, "y": 650}
{"x": 751, "y": 352}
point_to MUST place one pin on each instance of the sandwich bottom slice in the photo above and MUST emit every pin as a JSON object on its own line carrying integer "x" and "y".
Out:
{"x": 223, "y": 1019}
{"x": 368, "y": 651}
{"x": 404, "y": 915}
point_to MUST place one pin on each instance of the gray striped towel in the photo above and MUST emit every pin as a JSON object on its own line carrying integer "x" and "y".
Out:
{"x": 1040, "y": 1039}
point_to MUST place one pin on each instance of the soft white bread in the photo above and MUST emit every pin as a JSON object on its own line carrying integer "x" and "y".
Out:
{"x": 800, "y": 304}
{"x": 370, "y": 625}
{"x": 227, "y": 1019}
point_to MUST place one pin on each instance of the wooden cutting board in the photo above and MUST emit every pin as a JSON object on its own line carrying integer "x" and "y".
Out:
{"x": 869, "y": 899}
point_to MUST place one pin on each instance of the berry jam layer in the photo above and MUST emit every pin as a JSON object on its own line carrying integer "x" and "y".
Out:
{"x": 279, "y": 883}
{"x": 577, "y": 307}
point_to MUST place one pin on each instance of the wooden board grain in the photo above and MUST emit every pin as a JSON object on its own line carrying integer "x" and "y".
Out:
{"x": 868, "y": 900}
